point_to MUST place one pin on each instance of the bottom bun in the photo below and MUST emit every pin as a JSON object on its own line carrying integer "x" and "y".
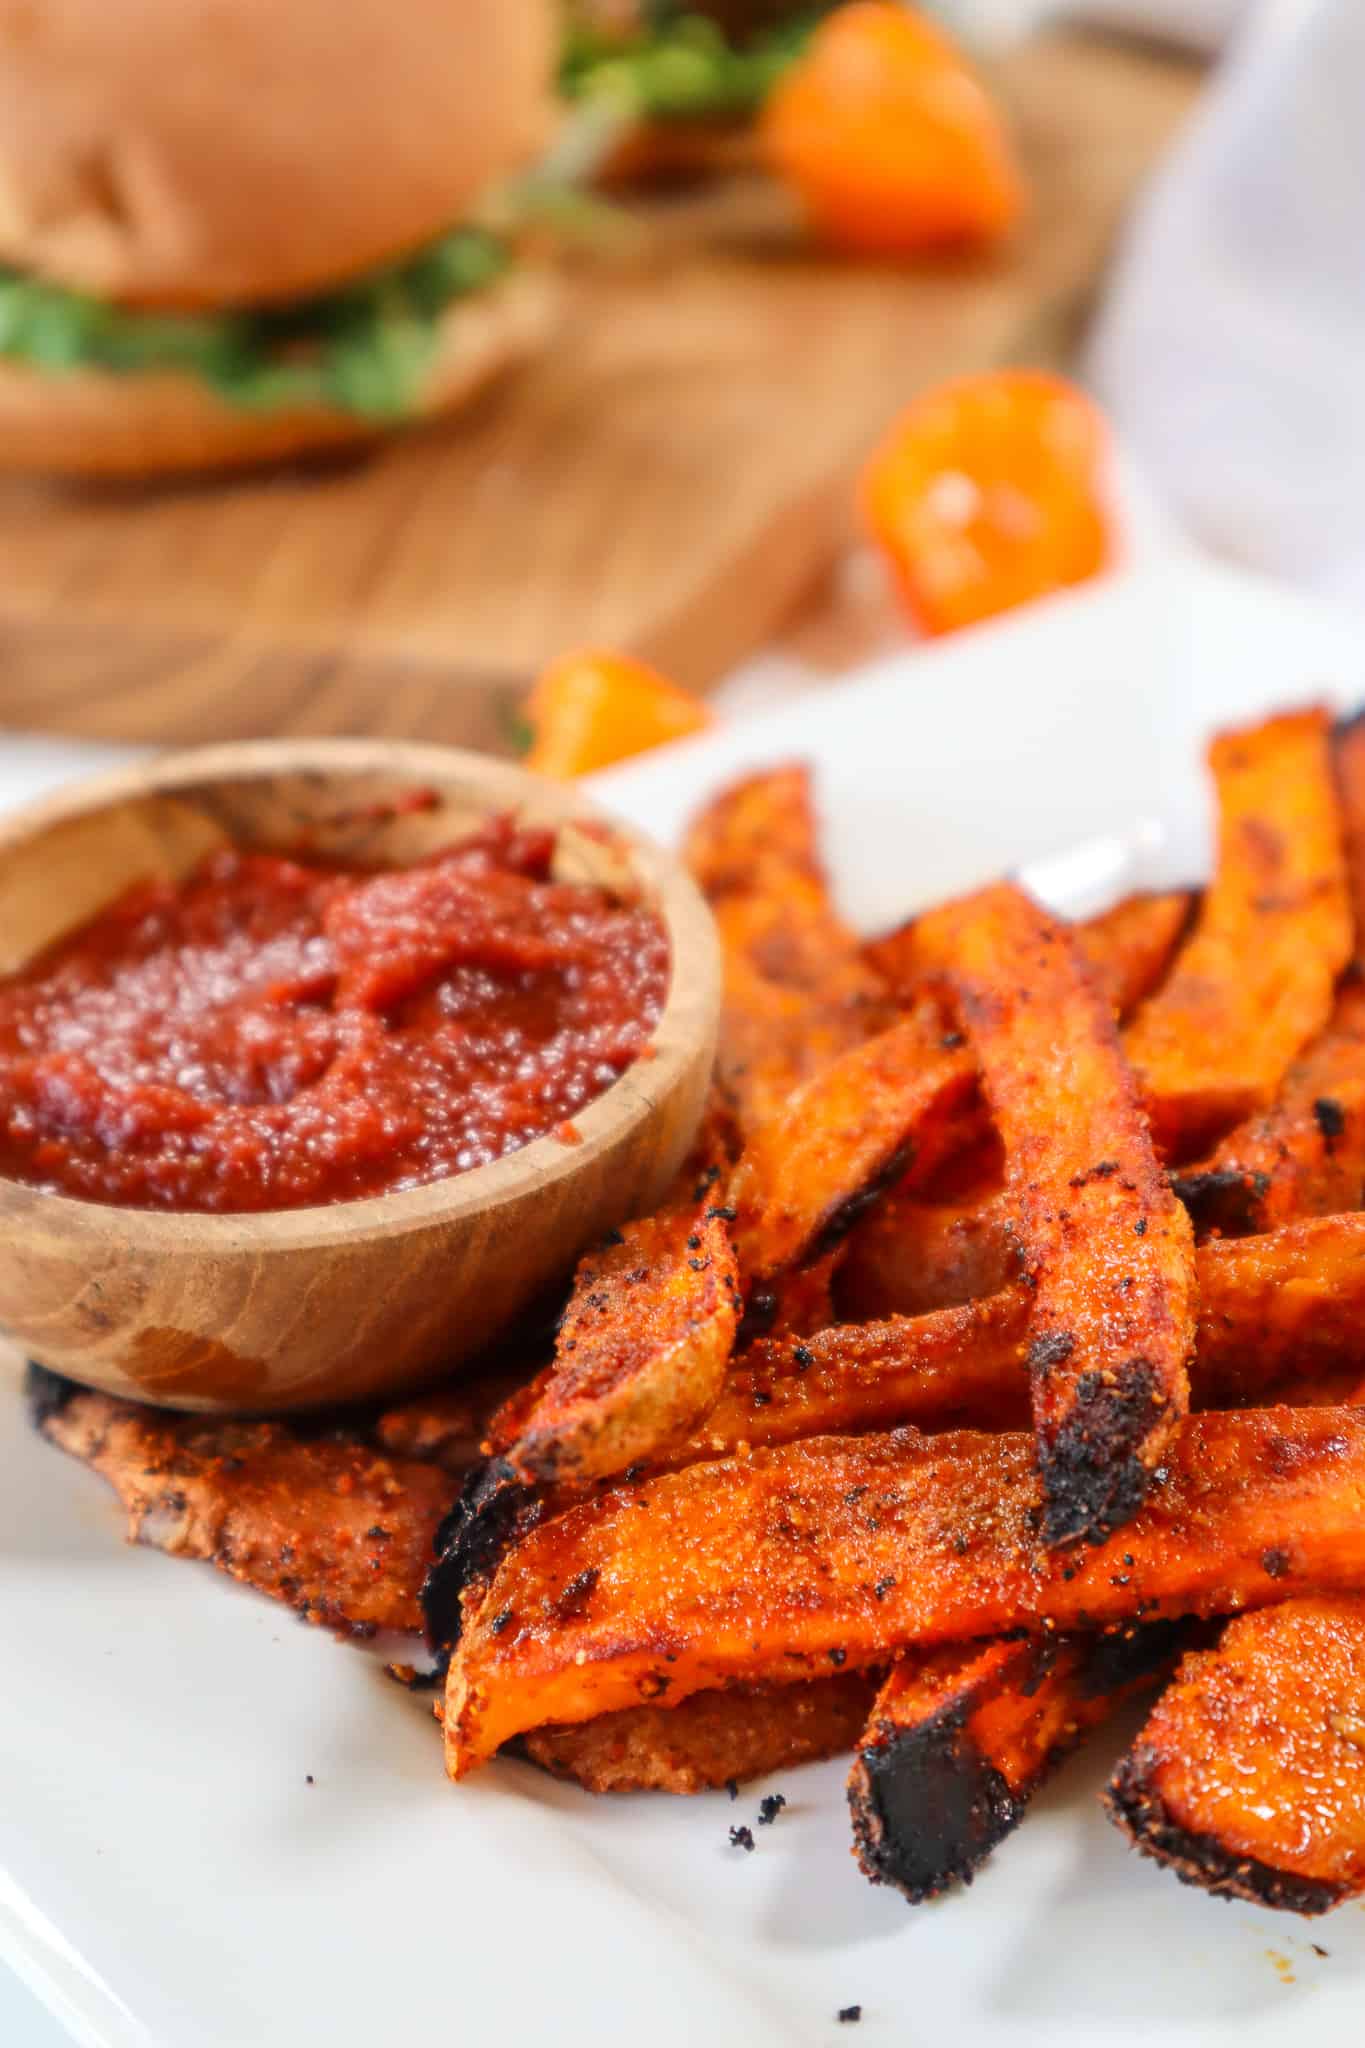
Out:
{"x": 100, "y": 423}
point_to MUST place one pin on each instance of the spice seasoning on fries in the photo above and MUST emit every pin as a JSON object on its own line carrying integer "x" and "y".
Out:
{"x": 927, "y": 1421}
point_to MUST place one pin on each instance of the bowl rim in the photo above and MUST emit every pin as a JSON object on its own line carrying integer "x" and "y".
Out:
{"x": 689, "y": 1015}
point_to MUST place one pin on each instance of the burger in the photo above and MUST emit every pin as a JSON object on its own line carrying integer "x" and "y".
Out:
{"x": 233, "y": 231}
{"x": 688, "y": 77}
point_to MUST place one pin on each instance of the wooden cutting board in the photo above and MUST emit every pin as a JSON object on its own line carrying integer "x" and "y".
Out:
{"x": 670, "y": 478}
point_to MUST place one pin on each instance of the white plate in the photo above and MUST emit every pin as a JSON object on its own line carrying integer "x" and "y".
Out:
{"x": 169, "y": 1879}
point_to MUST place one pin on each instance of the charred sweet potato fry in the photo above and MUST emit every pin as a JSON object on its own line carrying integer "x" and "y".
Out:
{"x": 712, "y": 1739}
{"x": 1274, "y": 1311}
{"x": 336, "y": 1530}
{"x": 641, "y": 1351}
{"x": 829, "y": 1553}
{"x": 1249, "y": 1778}
{"x": 1255, "y": 981}
{"x": 806, "y": 1175}
{"x": 797, "y": 990}
{"x": 1127, "y": 948}
{"x": 1305, "y": 1155}
{"x": 959, "y": 1740}
{"x": 1107, "y": 1249}
{"x": 1279, "y": 1317}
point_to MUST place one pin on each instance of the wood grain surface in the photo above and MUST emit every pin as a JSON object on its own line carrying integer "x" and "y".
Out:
{"x": 671, "y": 477}
{"x": 353, "y": 1299}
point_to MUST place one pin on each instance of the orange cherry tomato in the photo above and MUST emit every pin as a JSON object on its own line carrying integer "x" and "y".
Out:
{"x": 988, "y": 491}
{"x": 888, "y": 139}
{"x": 591, "y": 708}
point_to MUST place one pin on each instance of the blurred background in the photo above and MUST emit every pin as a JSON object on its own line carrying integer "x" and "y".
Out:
{"x": 563, "y": 374}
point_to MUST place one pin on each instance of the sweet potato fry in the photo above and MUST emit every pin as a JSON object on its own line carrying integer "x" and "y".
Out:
{"x": 963, "y": 1365}
{"x": 1305, "y": 1155}
{"x": 446, "y": 1426}
{"x": 712, "y": 1739}
{"x": 908, "y": 1257}
{"x": 1127, "y": 948}
{"x": 959, "y": 1741}
{"x": 797, "y": 990}
{"x": 641, "y": 1351}
{"x": 1279, "y": 1318}
{"x": 806, "y": 1176}
{"x": 828, "y": 1553}
{"x": 1107, "y": 1249}
{"x": 1287, "y": 1305}
{"x": 1248, "y": 1780}
{"x": 1255, "y": 981}
{"x": 324, "y": 1523}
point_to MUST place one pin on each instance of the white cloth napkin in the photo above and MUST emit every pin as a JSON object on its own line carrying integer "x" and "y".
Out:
{"x": 1230, "y": 352}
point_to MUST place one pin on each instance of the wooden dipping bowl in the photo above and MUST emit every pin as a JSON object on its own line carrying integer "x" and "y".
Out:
{"x": 301, "y": 1307}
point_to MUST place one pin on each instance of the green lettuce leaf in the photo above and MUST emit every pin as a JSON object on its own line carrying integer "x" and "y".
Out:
{"x": 364, "y": 348}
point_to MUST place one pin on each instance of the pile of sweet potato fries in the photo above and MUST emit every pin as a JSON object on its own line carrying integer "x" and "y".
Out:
{"x": 931, "y": 1418}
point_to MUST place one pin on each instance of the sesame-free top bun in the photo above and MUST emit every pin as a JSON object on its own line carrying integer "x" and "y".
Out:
{"x": 101, "y": 423}
{"x": 201, "y": 153}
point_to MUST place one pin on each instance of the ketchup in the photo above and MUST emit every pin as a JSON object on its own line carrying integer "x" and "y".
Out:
{"x": 270, "y": 1033}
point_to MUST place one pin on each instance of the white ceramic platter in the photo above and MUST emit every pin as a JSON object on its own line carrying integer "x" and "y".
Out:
{"x": 170, "y": 1879}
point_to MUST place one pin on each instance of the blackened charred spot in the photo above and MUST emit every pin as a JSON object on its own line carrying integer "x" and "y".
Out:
{"x": 1226, "y": 1198}
{"x": 500, "y": 1621}
{"x": 1103, "y": 1169}
{"x": 1216, "y": 1867}
{"x": 1275, "y": 1562}
{"x": 1330, "y": 1119}
{"x": 492, "y": 1507}
{"x": 1119, "y": 1660}
{"x": 927, "y": 1807}
{"x": 1093, "y": 1476}
{"x": 760, "y": 1313}
{"x": 840, "y": 1221}
{"x": 1046, "y": 1352}
{"x": 574, "y": 1597}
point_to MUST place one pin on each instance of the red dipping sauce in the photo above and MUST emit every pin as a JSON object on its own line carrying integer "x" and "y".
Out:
{"x": 269, "y": 1034}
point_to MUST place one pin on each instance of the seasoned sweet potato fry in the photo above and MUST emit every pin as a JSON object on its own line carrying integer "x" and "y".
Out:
{"x": 959, "y": 1740}
{"x": 962, "y": 1364}
{"x": 829, "y": 1553}
{"x": 641, "y": 1351}
{"x": 1279, "y": 1317}
{"x": 1255, "y": 981}
{"x": 325, "y": 1523}
{"x": 1127, "y": 948}
{"x": 1274, "y": 1311}
{"x": 712, "y": 1739}
{"x": 907, "y": 1257}
{"x": 1289, "y": 1304}
{"x": 446, "y": 1426}
{"x": 797, "y": 990}
{"x": 1107, "y": 1249}
{"x": 1305, "y": 1155}
{"x": 807, "y": 1174}
{"x": 1249, "y": 1778}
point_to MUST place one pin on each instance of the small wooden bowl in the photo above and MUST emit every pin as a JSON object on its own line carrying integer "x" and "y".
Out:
{"x": 357, "y": 1299}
